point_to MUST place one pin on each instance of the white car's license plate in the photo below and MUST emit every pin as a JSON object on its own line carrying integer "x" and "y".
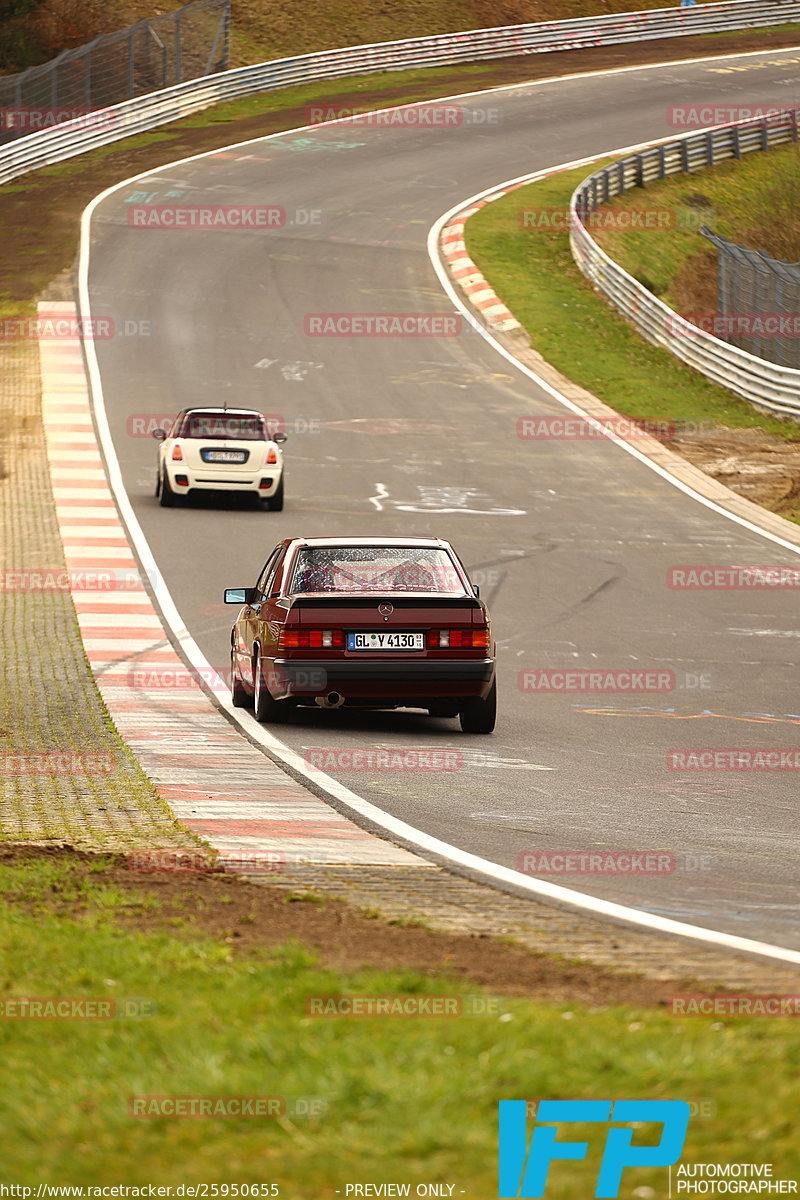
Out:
{"x": 386, "y": 641}
{"x": 225, "y": 456}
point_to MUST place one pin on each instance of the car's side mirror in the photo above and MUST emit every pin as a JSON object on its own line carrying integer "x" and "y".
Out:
{"x": 249, "y": 595}
{"x": 278, "y": 437}
{"x": 476, "y": 587}
{"x": 159, "y": 434}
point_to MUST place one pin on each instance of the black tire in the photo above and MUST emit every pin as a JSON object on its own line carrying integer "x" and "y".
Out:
{"x": 167, "y": 496}
{"x": 239, "y": 697}
{"x": 443, "y": 709}
{"x": 273, "y": 712}
{"x": 158, "y": 484}
{"x": 479, "y": 716}
{"x": 275, "y": 503}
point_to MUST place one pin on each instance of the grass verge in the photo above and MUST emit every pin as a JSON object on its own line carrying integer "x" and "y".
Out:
{"x": 396, "y": 1099}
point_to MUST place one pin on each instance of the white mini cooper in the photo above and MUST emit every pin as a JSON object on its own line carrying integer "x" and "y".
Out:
{"x": 220, "y": 449}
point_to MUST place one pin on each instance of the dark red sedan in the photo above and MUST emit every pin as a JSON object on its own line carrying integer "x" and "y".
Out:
{"x": 364, "y": 622}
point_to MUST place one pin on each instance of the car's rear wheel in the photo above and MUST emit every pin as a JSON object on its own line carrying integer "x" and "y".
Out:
{"x": 275, "y": 503}
{"x": 239, "y": 697}
{"x": 167, "y": 496}
{"x": 275, "y": 712}
{"x": 478, "y": 715}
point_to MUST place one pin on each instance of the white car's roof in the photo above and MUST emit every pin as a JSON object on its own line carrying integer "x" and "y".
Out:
{"x": 225, "y": 412}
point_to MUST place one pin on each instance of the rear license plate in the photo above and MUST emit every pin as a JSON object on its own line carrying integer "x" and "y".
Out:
{"x": 386, "y": 641}
{"x": 224, "y": 456}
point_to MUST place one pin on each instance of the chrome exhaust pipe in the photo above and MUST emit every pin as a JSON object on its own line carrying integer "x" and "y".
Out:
{"x": 332, "y": 700}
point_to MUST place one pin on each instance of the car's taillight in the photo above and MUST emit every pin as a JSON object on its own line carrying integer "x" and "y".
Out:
{"x": 272, "y": 455}
{"x": 458, "y": 639}
{"x": 308, "y": 638}
{"x": 177, "y": 454}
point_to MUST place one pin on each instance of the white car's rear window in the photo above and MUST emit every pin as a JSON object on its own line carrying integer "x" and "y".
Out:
{"x": 222, "y": 426}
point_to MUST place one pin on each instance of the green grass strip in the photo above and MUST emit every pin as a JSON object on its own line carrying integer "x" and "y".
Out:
{"x": 407, "y": 1100}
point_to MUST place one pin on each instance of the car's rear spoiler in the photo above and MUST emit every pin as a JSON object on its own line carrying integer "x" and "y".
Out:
{"x": 397, "y": 600}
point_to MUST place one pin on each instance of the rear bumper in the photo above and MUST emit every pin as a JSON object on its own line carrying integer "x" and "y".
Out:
{"x": 212, "y": 479}
{"x": 383, "y": 680}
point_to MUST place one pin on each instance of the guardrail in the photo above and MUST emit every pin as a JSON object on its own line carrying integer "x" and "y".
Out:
{"x": 763, "y": 383}
{"x": 107, "y": 125}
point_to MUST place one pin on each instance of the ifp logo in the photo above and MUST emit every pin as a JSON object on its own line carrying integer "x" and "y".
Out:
{"x": 523, "y": 1169}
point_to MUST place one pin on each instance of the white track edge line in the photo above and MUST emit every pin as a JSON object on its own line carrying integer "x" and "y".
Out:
{"x": 491, "y": 872}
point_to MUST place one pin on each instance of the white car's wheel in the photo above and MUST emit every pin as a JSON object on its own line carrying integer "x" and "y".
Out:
{"x": 275, "y": 503}
{"x": 166, "y": 496}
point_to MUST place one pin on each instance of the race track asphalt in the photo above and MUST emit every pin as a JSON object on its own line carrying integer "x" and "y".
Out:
{"x": 571, "y": 540}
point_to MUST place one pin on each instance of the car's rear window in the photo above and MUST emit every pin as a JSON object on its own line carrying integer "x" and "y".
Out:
{"x": 221, "y": 426}
{"x": 376, "y": 569}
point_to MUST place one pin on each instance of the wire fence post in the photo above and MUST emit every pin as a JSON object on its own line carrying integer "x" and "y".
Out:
{"x": 178, "y": 75}
{"x": 131, "y": 52}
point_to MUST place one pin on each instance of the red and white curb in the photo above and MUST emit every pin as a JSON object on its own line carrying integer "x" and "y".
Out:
{"x": 463, "y": 270}
{"x": 215, "y": 781}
